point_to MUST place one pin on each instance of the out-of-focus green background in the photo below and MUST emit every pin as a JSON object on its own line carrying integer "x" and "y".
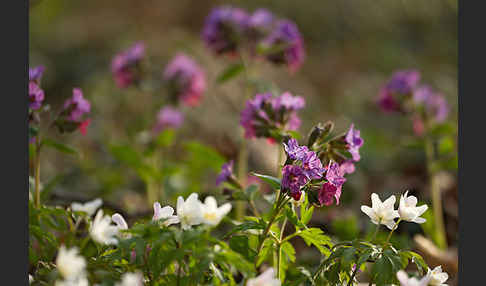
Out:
{"x": 352, "y": 48}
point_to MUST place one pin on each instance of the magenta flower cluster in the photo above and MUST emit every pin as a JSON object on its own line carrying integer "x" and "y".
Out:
{"x": 228, "y": 30}
{"x": 271, "y": 116}
{"x": 36, "y": 94}
{"x": 168, "y": 117}
{"x": 226, "y": 173}
{"x": 125, "y": 66}
{"x": 186, "y": 80}
{"x": 74, "y": 113}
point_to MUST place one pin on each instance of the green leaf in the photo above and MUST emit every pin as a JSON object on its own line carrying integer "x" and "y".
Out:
{"x": 292, "y": 217}
{"x": 382, "y": 271}
{"x": 240, "y": 244}
{"x": 274, "y": 182}
{"x": 59, "y": 147}
{"x": 307, "y": 215}
{"x": 230, "y": 72}
{"x": 266, "y": 251}
{"x": 165, "y": 138}
{"x": 416, "y": 258}
{"x": 247, "y": 225}
{"x": 316, "y": 237}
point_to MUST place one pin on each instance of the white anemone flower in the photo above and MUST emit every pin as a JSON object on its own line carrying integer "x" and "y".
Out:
{"x": 267, "y": 278}
{"x": 408, "y": 209}
{"x": 80, "y": 281}
{"x": 166, "y": 213}
{"x": 131, "y": 279}
{"x": 69, "y": 263}
{"x": 402, "y": 276}
{"x": 381, "y": 212}
{"x": 31, "y": 279}
{"x": 189, "y": 212}
{"x": 102, "y": 231}
{"x": 212, "y": 215}
{"x": 437, "y": 276}
{"x": 119, "y": 221}
{"x": 89, "y": 207}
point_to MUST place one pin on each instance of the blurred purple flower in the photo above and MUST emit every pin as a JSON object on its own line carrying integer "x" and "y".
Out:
{"x": 328, "y": 194}
{"x": 168, "y": 117}
{"x": 35, "y": 74}
{"x": 294, "y": 151}
{"x": 186, "y": 78}
{"x": 288, "y": 101}
{"x": 334, "y": 174}
{"x": 77, "y": 106}
{"x": 124, "y": 65}
{"x": 285, "y": 45}
{"x": 36, "y": 96}
{"x": 354, "y": 142}
{"x": 435, "y": 103}
{"x": 259, "y": 25}
{"x": 347, "y": 167}
{"x": 226, "y": 172}
{"x": 293, "y": 178}
{"x": 401, "y": 84}
{"x": 224, "y": 28}
{"x": 312, "y": 166}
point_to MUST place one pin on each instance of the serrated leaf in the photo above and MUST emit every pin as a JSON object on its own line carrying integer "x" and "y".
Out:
{"x": 274, "y": 182}
{"x": 306, "y": 215}
{"x": 316, "y": 237}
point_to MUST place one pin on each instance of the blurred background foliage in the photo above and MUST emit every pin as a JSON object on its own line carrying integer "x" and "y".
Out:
{"x": 352, "y": 48}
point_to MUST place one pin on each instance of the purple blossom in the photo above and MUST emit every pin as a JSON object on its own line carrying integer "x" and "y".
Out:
{"x": 293, "y": 178}
{"x": 36, "y": 96}
{"x": 288, "y": 44}
{"x": 328, "y": 194}
{"x": 354, "y": 142}
{"x": 226, "y": 172}
{"x": 259, "y": 24}
{"x": 312, "y": 166}
{"x": 168, "y": 117}
{"x": 186, "y": 78}
{"x": 76, "y": 106}
{"x": 435, "y": 103}
{"x": 294, "y": 151}
{"x": 334, "y": 174}
{"x": 35, "y": 74}
{"x": 253, "y": 114}
{"x": 224, "y": 28}
{"x": 401, "y": 84}
{"x": 347, "y": 167}
{"x": 288, "y": 101}
{"x": 124, "y": 65}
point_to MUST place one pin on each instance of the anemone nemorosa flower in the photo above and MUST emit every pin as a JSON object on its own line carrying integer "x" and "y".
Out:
{"x": 36, "y": 96}
{"x": 224, "y": 29}
{"x": 381, "y": 212}
{"x": 189, "y": 212}
{"x": 293, "y": 178}
{"x": 119, "y": 221}
{"x": 437, "y": 276}
{"x": 124, "y": 65}
{"x": 354, "y": 142}
{"x": 267, "y": 278}
{"x": 131, "y": 279}
{"x": 211, "y": 214}
{"x": 408, "y": 209}
{"x": 186, "y": 79}
{"x": 285, "y": 45}
{"x": 70, "y": 264}
{"x": 404, "y": 280}
{"x": 168, "y": 117}
{"x": 89, "y": 207}
{"x": 102, "y": 231}
{"x": 400, "y": 85}
{"x": 166, "y": 213}
{"x": 226, "y": 172}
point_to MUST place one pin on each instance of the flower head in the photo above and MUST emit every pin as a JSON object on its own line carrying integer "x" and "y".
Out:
{"x": 401, "y": 85}
{"x": 35, "y": 74}
{"x": 211, "y": 214}
{"x": 102, "y": 231}
{"x": 347, "y": 167}
{"x": 286, "y": 45}
{"x": 70, "y": 264}
{"x": 119, "y": 221}
{"x": 73, "y": 115}
{"x": 267, "y": 278}
{"x": 381, "y": 212}
{"x": 224, "y": 28}
{"x": 131, "y": 279}
{"x": 124, "y": 65}
{"x": 186, "y": 79}
{"x": 435, "y": 104}
{"x": 36, "y": 96}
{"x": 312, "y": 166}
{"x": 226, "y": 172}
{"x": 329, "y": 194}
{"x": 334, "y": 174}
{"x": 80, "y": 281}
{"x": 408, "y": 209}
{"x": 354, "y": 142}
{"x": 168, "y": 117}
{"x": 189, "y": 212}
{"x": 259, "y": 24}
{"x": 437, "y": 276}
{"x": 166, "y": 213}
{"x": 406, "y": 281}
{"x": 294, "y": 151}
{"x": 89, "y": 207}
{"x": 293, "y": 178}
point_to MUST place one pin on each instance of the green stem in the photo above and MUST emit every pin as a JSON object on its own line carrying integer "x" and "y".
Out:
{"x": 37, "y": 172}
{"x": 440, "y": 238}
{"x": 279, "y": 260}
{"x": 393, "y": 229}
{"x": 242, "y": 173}
{"x": 277, "y": 210}
{"x": 375, "y": 233}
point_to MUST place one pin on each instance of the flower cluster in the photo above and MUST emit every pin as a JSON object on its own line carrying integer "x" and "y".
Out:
{"x": 227, "y": 30}
{"x": 271, "y": 116}
{"x": 72, "y": 267}
{"x": 403, "y": 93}
{"x": 125, "y": 66}
{"x": 36, "y": 94}
{"x": 168, "y": 117}
{"x": 187, "y": 81}
{"x": 435, "y": 277}
{"x": 73, "y": 114}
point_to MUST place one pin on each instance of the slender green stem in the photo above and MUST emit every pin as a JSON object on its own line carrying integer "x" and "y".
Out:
{"x": 242, "y": 173}
{"x": 279, "y": 260}
{"x": 393, "y": 229}
{"x": 278, "y": 205}
{"x": 375, "y": 233}
{"x": 37, "y": 164}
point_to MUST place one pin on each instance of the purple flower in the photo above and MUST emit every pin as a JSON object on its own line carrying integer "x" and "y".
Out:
{"x": 125, "y": 64}
{"x": 294, "y": 151}
{"x": 435, "y": 103}
{"x": 253, "y": 115}
{"x": 334, "y": 174}
{"x": 328, "y": 194}
{"x": 35, "y": 74}
{"x": 77, "y": 106}
{"x": 168, "y": 117}
{"x": 286, "y": 45}
{"x": 226, "y": 172}
{"x": 401, "y": 84}
{"x": 186, "y": 78}
{"x": 293, "y": 178}
{"x": 259, "y": 24}
{"x": 36, "y": 96}
{"x": 224, "y": 28}
{"x": 288, "y": 101}
{"x": 312, "y": 166}
{"x": 354, "y": 142}
{"x": 347, "y": 167}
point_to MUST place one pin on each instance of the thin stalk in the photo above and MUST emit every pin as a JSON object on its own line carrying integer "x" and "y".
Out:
{"x": 393, "y": 229}
{"x": 375, "y": 233}
{"x": 279, "y": 260}
{"x": 441, "y": 239}
{"x": 37, "y": 173}
{"x": 242, "y": 173}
